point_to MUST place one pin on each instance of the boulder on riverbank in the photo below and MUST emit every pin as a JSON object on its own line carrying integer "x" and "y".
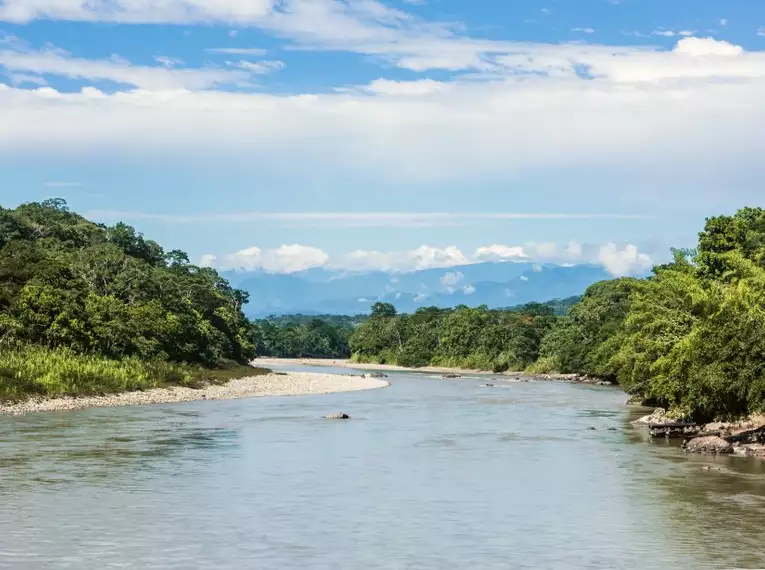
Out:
{"x": 661, "y": 423}
{"x": 708, "y": 444}
{"x": 750, "y": 430}
{"x": 750, "y": 450}
{"x": 378, "y": 375}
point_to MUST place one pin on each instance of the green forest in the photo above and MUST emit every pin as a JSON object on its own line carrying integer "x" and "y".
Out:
{"x": 690, "y": 338}
{"x": 86, "y": 309}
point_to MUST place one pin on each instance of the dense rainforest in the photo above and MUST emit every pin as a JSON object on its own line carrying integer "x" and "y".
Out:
{"x": 86, "y": 308}
{"x": 691, "y": 337}
{"x": 328, "y": 336}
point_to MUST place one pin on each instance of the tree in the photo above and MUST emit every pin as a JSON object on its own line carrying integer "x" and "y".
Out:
{"x": 383, "y": 310}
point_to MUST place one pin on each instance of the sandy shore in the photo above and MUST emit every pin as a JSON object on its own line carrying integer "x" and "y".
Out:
{"x": 321, "y": 362}
{"x": 291, "y": 384}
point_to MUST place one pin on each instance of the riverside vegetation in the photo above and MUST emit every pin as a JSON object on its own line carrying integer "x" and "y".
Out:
{"x": 86, "y": 308}
{"x": 689, "y": 338}
{"x": 90, "y": 309}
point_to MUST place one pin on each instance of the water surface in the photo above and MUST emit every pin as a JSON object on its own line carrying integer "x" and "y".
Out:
{"x": 430, "y": 474}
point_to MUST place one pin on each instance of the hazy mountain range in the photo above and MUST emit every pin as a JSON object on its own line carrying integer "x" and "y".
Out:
{"x": 327, "y": 291}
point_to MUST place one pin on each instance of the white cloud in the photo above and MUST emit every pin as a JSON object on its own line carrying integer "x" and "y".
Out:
{"x": 583, "y": 30}
{"x": 468, "y": 290}
{"x": 424, "y": 257}
{"x": 285, "y": 259}
{"x": 55, "y": 62}
{"x": 500, "y": 253}
{"x": 723, "y": 22}
{"x": 531, "y": 250}
{"x": 524, "y": 278}
{"x": 651, "y": 114}
{"x": 624, "y": 259}
{"x": 239, "y": 51}
{"x": 671, "y": 33}
{"x": 167, "y": 61}
{"x": 257, "y": 67}
{"x": 761, "y": 31}
{"x": 622, "y": 262}
{"x": 450, "y": 280}
{"x": 26, "y": 79}
{"x": 404, "y": 88}
{"x": 136, "y": 11}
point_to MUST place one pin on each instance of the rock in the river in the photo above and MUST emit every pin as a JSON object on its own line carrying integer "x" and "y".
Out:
{"x": 338, "y": 416}
{"x": 661, "y": 416}
{"x": 451, "y": 376}
{"x": 708, "y": 444}
{"x": 378, "y": 375}
{"x": 750, "y": 450}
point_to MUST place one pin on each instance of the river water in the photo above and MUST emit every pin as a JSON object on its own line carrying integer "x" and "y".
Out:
{"x": 429, "y": 474}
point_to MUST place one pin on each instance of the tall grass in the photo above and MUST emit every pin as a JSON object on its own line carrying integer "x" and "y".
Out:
{"x": 33, "y": 371}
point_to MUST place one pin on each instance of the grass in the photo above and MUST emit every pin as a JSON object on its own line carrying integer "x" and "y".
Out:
{"x": 545, "y": 365}
{"x": 33, "y": 371}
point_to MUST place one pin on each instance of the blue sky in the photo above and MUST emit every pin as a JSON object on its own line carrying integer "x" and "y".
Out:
{"x": 388, "y": 133}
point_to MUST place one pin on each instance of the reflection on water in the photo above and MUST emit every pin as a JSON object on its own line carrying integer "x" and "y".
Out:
{"x": 430, "y": 474}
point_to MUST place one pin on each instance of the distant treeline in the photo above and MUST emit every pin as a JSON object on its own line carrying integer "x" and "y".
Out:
{"x": 691, "y": 337}
{"x": 329, "y": 336}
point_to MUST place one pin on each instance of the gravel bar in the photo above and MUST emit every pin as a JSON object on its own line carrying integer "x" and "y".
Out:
{"x": 289, "y": 384}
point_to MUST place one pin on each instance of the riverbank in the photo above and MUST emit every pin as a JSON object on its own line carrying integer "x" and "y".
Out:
{"x": 275, "y": 384}
{"x": 330, "y": 363}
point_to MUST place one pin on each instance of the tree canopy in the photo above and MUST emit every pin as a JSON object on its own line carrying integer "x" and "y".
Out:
{"x": 66, "y": 282}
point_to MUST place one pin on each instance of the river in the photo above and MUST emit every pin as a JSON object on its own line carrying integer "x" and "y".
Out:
{"x": 429, "y": 474}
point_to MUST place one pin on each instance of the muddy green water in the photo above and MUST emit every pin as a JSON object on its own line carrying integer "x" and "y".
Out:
{"x": 430, "y": 474}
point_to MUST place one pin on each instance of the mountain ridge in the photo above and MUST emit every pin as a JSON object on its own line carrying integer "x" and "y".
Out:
{"x": 334, "y": 291}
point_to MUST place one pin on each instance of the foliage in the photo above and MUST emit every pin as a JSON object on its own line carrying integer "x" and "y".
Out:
{"x": 464, "y": 337}
{"x": 89, "y": 294}
{"x": 583, "y": 341}
{"x": 691, "y": 337}
{"x": 299, "y": 338}
{"x": 35, "y": 371}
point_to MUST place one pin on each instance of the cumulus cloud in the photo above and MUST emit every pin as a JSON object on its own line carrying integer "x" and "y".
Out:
{"x": 284, "y": 259}
{"x": 546, "y": 251}
{"x": 642, "y": 107}
{"x": 450, "y": 280}
{"x": 424, "y": 257}
{"x": 468, "y": 290}
{"x": 500, "y": 253}
{"x": 618, "y": 259}
{"x": 404, "y": 88}
{"x": 623, "y": 262}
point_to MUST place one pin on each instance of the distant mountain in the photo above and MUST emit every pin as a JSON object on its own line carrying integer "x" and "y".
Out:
{"x": 327, "y": 291}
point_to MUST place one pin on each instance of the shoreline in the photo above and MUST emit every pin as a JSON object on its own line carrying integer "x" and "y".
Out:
{"x": 339, "y": 363}
{"x": 283, "y": 384}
